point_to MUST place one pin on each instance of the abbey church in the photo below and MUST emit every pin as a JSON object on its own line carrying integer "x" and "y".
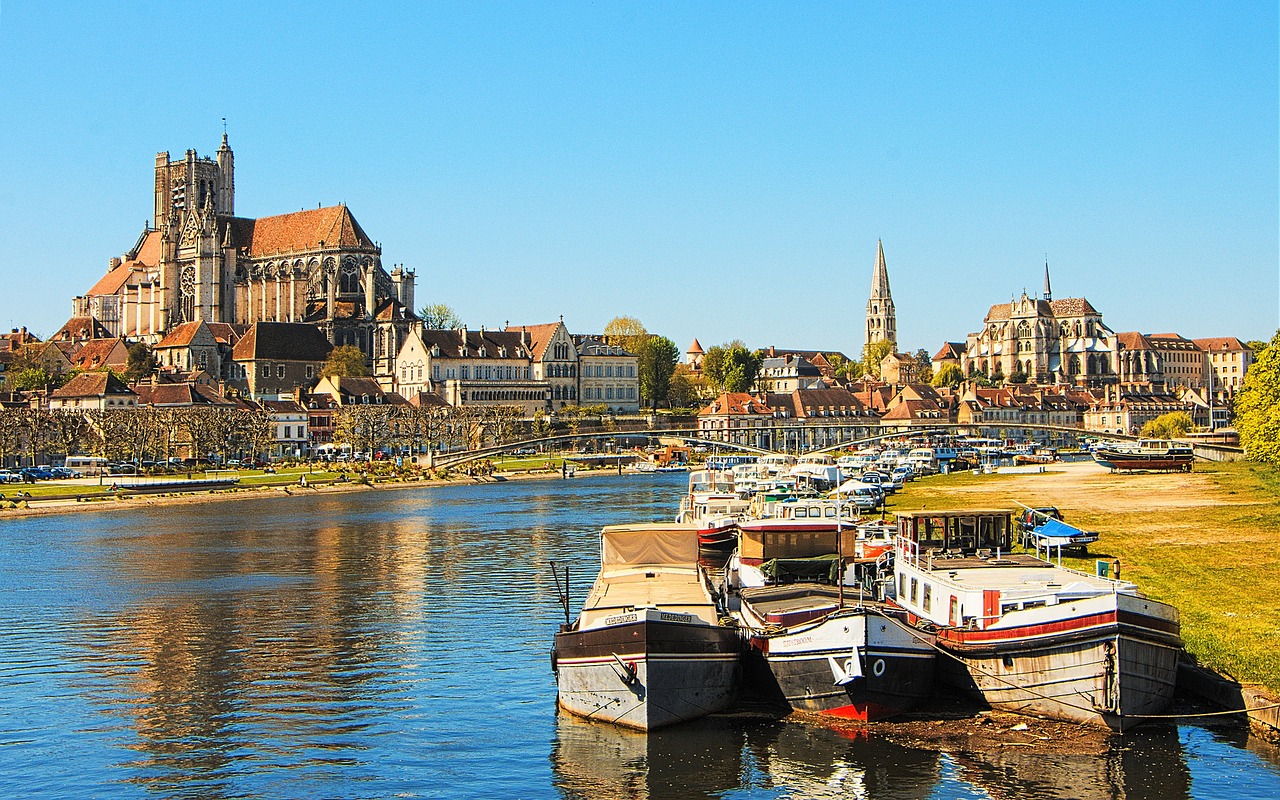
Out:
{"x": 200, "y": 262}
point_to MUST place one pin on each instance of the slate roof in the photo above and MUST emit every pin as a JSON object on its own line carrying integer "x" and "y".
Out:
{"x": 450, "y": 343}
{"x": 282, "y": 341}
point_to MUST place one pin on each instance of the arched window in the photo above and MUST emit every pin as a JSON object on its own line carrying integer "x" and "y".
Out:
{"x": 349, "y": 278}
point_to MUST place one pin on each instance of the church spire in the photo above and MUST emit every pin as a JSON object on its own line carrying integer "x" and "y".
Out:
{"x": 1048, "y": 293}
{"x": 882, "y": 322}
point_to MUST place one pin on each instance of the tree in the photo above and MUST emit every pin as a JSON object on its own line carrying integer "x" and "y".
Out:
{"x": 948, "y": 375}
{"x": 657, "y": 362}
{"x": 1173, "y": 425}
{"x": 345, "y": 361}
{"x": 439, "y": 317}
{"x": 924, "y": 366}
{"x": 731, "y": 367}
{"x": 626, "y": 332}
{"x": 365, "y": 427}
{"x": 1257, "y": 408}
{"x": 873, "y": 354}
{"x": 1018, "y": 376}
{"x": 140, "y": 364}
{"x": 683, "y": 391}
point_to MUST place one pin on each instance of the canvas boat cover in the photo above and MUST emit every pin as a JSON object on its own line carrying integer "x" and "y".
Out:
{"x": 655, "y": 544}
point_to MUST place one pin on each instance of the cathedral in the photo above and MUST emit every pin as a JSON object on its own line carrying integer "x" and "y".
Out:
{"x": 1045, "y": 340}
{"x": 200, "y": 262}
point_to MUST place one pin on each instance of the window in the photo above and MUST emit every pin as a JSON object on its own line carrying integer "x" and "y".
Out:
{"x": 280, "y": 370}
{"x": 928, "y": 597}
{"x": 288, "y": 431}
{"x": 311, "y": 371}
{"x": 266, "y": 370}
{"x": 464, "y": 373}
{"x": 608, "y": 371}
{"x": 915, "y": 589}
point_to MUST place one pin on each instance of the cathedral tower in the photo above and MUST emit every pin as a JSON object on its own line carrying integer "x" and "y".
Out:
{"x": 882, "y": 323}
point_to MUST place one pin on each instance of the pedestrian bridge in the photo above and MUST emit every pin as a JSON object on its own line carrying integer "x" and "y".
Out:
{"x": 692, "y": 436}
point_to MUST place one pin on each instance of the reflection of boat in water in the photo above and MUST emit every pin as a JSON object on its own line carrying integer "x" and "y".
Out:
{"x": 817, "y": 763}
{"x": 1146, "y": 765}
{"x": 1034, "y": 638}
{"x": 702, "y": 758}
{"x": 1152, "y": 454}
{"x": 648, "y": 649}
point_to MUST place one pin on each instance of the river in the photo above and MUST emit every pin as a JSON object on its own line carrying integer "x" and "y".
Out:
{"x": 396, "y": 644}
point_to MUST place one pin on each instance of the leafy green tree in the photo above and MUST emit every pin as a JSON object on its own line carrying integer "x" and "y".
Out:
{"x": 140, "y": 364}
{"x": 683, "y": 391}
{"x": 948, "y": 375}
{"x": 731, "y": 367}
{"x": 345, "y": 361}
{"x": 873, "y": 354}
{"x": 924, "y": 366}
{"x": 626, "y": 332}
{"x": 1257, "y": 408}
{"x": 31, "y": 379}
{"x": 1018, "y": 376}
{"x": 1256, "y": 345}
{"x": 1173, "y": 425}
{"x": 657, "y": 363}
{"x": 439, "y": 317}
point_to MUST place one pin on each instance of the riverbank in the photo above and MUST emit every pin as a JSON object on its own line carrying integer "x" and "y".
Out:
{"x": 1206, "y": 542}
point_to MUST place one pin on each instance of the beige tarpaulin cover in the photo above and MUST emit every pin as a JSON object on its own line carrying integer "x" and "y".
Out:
{"x": 658, "y": 544}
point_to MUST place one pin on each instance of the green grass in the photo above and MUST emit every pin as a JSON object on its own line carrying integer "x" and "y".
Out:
{"x": 1215, "y": 560}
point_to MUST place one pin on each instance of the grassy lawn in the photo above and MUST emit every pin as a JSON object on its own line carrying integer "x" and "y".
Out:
{"x": 1208, "y": 543}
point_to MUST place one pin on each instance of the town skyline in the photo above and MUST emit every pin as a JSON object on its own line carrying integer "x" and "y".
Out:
{"x": 527, "y": 188}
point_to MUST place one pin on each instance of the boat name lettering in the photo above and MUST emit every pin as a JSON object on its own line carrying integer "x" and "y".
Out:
{"x": 621, "y": 618}
{"x": 667, "y": 616}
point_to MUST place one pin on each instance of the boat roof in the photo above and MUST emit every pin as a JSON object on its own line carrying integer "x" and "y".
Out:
{"x": 675, "y": 589}
{"x": 649, "y": 544}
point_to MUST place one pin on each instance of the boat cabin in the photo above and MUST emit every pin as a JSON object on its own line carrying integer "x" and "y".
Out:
{"x": 965, "y": 532}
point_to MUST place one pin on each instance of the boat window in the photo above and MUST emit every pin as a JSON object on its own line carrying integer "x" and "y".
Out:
{"x": 928, "y": 597}
{"x": 829, "y": 512}
{"x": 954, "y": 616}
{"x": 902, "y": 586}
{"x": 915, "y": 590}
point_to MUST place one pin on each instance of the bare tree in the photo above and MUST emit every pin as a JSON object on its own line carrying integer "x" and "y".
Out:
{"x": 68, "y": 429}
{"x": 365, "y": 427}
{"x": 12, "y": 421}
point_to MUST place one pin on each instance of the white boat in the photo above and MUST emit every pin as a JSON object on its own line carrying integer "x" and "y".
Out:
{"x": 817, "y": 640}
{"x": 1027, "y": 635}
{"x": 648, "y": 648}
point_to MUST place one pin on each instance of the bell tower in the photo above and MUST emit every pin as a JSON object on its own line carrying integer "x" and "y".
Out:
{"x": 882, "y": 322}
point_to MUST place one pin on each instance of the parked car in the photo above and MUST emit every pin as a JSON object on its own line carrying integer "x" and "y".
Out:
{"x": 7, "y": 476}
{"x": 123, "y": 469}
{"x": 879, "y": 479}
{"x": 33, "y": 474}
{"x": 63, "y": 472}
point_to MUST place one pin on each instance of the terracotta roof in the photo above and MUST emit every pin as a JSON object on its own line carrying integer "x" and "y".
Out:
{"x": 93, "y": 384}
{"x": 1221, "y": 343}
{"x": 147, "y": 251}
{"x": 695, "y": 348}
{"x": 735, "y": 403}
{"x": 1072, "y": 307}
{"x": 96, "y": 353}
{"x": 282, "y": 341}
{"x": 450, "y": 343}
{"x": 180, "y": 336}
{"x": 178, "y": 394}
{"x": 806, "y": 400}
{"x": 299, "y": 231}
{"x": 997, "y": 312}
{"x": 1132, "y": 340}
{"x": 227, "y": 333}
{"x": 428, "y": 400}
{"x": 78, "y": 328}
{"x": 539, "y": 336}
{"x": 392, "y": 309}
{"x": 949, "y": 350}
{"x": 112, "y": 281}
{"x": 282, "y": 406}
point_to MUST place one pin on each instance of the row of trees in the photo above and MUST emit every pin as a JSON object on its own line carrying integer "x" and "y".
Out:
{"x": 157, "y": 434}
{"x": 1257, "y": 404}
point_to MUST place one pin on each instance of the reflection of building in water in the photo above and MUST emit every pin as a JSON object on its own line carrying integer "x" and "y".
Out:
{"x": 813, "y": 761}
{"x": 702, "y": 758}
{"x": 1144, "y": 764}
{"x": 281, "y": 629}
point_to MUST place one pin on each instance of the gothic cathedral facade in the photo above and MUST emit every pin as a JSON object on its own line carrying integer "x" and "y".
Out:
{"x": 200, "y": 262}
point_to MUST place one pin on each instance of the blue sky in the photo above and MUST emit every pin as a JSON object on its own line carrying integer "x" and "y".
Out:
{"x": 717, "y": 170}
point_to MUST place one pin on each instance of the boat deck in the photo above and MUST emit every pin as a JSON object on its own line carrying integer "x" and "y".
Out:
{"x": 679, "y": 590}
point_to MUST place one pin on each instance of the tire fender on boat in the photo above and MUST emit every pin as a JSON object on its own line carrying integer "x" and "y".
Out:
{"x": 878, "y": 668}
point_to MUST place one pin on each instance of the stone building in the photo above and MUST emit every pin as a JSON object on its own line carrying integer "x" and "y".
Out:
{"x": 471, "y": 368}
{"x": 555, "y": 359}
{"x": 1229, "y": 360}
{"x": 1047, "y": 340}
{"x": 607, "y": 376}
{"x": 200, "y": 262}
{"x": 882, "y": 322}
{"x": 274, "y": 359}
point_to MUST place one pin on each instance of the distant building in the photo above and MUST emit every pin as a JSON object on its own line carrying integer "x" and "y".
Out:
{"x": 273, "y": 359}
{"x": 1047, "y": 340}
{"x": 202, "y": 263}
{"x": 783, "y": 374}
{"x": 882, "y": 321}
{"x": 898, "y": 368}
{"x": 96, "y": 391}
{"x": 555, "y": 359}
{"x": 1229, "y": 361}
{"x": 607, "y": 376}
{"x": 471, "y": 368}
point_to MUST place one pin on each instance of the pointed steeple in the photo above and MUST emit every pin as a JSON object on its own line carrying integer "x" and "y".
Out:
{"x": 881, "y": 319}
{"x": 880, "y": 277}
{"x": 1048, "y": 293}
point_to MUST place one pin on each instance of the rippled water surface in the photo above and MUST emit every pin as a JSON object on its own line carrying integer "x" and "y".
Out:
{"x": 395, "y": 644}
